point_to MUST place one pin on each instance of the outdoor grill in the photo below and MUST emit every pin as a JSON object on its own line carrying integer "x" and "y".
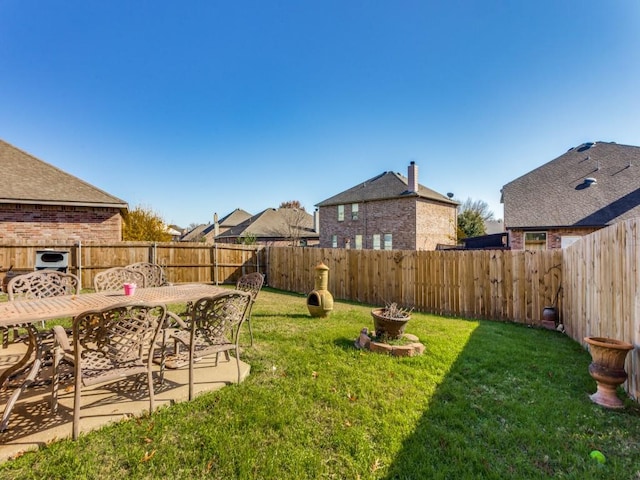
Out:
{"x": 52, "y": 260}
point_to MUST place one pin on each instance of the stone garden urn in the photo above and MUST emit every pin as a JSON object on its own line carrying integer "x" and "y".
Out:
{"x": 390, "y": 321}
{"x": 607, "y": 368}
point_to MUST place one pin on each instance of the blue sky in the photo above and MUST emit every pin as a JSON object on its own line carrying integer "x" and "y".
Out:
{"x": 196, "y": 107}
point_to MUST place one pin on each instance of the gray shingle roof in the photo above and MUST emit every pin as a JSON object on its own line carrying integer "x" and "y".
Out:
{"x": 387, "y": 185}
{"x": 28, "y": 180}
{"x": 272, "y": 223}
{"x": 558, "y": 194}
{"x": 234, "y": 218}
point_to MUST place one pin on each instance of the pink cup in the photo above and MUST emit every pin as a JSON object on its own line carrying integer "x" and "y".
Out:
{"x": 129, "y": 288}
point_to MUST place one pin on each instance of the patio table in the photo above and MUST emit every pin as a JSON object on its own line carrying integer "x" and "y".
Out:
{"x": 28, "y": 312}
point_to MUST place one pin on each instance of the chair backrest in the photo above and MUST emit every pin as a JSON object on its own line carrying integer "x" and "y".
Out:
{"x": 153, "y": 273}
{"x": 216, "y": 319}
{"x": 42, "y": 284}
{"x": 114, "y": 278}
{"x": 252, "y": 283}
{"x": 116, "y": 337}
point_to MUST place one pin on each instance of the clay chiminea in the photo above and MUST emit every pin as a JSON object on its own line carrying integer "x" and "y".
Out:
{"x": 320, "y": 300}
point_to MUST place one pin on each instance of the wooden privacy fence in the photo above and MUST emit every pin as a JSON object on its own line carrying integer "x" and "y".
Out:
{"x": 183, "y": 262}
{"x": 602, "y": 290}
{"x": 491, "y": 284}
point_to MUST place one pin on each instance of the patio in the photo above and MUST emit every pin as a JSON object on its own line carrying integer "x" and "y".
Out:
{"x": 32, "y": 424}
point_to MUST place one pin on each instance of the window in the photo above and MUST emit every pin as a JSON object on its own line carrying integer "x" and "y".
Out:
{"x": 388, "y": 244}
{"x": 354, "y": 211}
{"x": 334, "y": 241}
{"x": 567, "y": 240}
{"x": 341, "y": 213}
{"x": 376, "y": 242}
{"x": 535, "y": 240}
{"x": 358, "y": 242}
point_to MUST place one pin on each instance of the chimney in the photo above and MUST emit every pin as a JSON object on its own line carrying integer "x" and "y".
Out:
{"x": 413, "y": 177}
{"x": 316, "y": 221}
{"x": 216, "y": 225}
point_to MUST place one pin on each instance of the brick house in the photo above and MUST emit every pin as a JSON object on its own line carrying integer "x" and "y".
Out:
{"x": 41, "y": 202}
{"x": 587, "y": 188}
{"x": 389, "y": 212}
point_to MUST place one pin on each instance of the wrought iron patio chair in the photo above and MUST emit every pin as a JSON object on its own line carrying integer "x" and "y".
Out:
{"x": 214, "y": 329}
{"x": 252, "y": 283}
{"x": 114, "y": 279}
{"x": 107, "y": 345}
{"x": 40, "y": 284}
{"x": 153, "y": 273}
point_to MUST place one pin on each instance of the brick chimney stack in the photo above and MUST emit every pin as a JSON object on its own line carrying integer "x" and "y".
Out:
{"x": 413, "y": 177}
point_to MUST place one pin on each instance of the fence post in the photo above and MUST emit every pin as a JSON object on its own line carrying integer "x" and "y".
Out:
{"x": 79, "y": 263}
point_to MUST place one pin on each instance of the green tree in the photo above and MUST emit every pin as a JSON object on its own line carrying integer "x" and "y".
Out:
{"x": 143, "y": 224}
{"x": 247, "y": 239}
{"x": 472, "y": 217}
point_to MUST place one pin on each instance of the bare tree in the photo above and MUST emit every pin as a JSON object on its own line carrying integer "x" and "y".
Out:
{"x": 478, "y": 206}
{"x": 295, "y": 216}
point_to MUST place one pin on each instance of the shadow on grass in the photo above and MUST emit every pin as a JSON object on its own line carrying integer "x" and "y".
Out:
{"x": 514, "y": 404}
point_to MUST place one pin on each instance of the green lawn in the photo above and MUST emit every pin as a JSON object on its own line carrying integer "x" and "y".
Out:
{"x": 486, "y": 400}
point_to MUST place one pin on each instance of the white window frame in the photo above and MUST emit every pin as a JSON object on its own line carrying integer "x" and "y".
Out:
{"x": 354, "y": 211}
{"x": 358, "y": 242}
{"x": 535, "y": 244}
{"x": 334, "y": 241}
{"x": 376, "y": 241}
{"x": 388, "y": 241}
{"x": 566, "y": 240}
{"x": 341, "y": 213}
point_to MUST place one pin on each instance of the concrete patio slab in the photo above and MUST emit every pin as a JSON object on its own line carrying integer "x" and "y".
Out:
{"x": 32, "y": 425}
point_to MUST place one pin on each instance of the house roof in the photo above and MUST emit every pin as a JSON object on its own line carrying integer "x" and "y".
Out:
{"x": 562, "y": 192}
{"x": 234, "y": 218}
{"x": 387, "y": 185}
{"x": 28, "y": 180}
{"x": 275, "y": 223}
{"x": 206, "y": 231}
{"x": 195, "y": 234}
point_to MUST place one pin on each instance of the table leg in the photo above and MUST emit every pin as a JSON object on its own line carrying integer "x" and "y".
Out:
{"x": 35, "y": 345}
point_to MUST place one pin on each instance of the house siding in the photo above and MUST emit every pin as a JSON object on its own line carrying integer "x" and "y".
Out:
{"x": 554, "y": 236}
{"x": 51, "y": 222}
{"x": 416, "y": 224}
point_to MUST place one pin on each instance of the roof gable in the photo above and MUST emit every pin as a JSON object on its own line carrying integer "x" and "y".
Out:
{"x": 234, "y": 218}
{"x": 559, "y": 194}
{"x": 387, "y": 185}
{"x": 275, "y": 223}
{"x": 29, "y": 180}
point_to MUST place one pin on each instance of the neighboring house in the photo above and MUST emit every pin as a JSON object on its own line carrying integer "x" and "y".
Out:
{"x": 41, "y": 202}
{"x": 389, "y": 212}
{"x": 207, "y": 233}
{"x": 587, "y": 188}
{"x": 175, "y": 232}
{"x": 282, "y": 226}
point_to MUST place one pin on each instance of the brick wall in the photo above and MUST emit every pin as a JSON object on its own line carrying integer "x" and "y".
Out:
{"x": 52, "y": 222}
{"x": 416, "y": 224}
{"x": 436, "y": 224}
{"x": 554, "y": 236}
